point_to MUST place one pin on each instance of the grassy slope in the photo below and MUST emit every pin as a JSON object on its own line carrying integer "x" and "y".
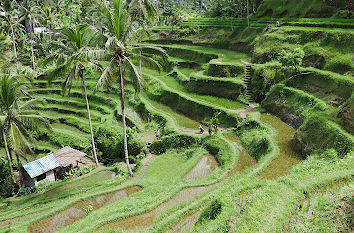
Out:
{"x": 295, "y": 8}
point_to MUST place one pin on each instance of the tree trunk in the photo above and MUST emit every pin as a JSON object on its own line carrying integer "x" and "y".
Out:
{"x": 123, "y": 117}
{"x": 8, "y": 158}
{"x": 232, "y": 28}
{"x": 19, "y": 165}
{"x": 14, "y": 43}
{"x": 89, "y": 117}
{"x": 33, "y": 64}
{"x": 140, "y": 55}
{"x": 248, "y": 13}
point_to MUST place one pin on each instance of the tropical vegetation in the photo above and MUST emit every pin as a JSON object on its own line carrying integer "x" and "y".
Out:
{"x": 193, "y": 115}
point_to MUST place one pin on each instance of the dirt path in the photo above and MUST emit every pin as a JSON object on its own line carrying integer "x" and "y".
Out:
{"x": 245, "y": 111}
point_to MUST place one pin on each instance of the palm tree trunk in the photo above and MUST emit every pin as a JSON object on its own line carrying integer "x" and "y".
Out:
{"x": 123, "y": 117}
{"x": 19, "y": 165}
{"x": 140, "y": 55}
{"x": 89, "y": 118}
{"x": 232, "y": 28}
{"x": 14, "y": 43}
{"x": 248, "y": 13}
{"x": 8, "y": 158}
{"x": 32, "y": 53}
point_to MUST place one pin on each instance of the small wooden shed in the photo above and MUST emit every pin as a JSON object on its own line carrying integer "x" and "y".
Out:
{"x": 52, "y": 167}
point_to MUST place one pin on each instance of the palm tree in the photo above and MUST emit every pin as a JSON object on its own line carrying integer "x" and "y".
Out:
{"x": 17, "y": 117}
{"x": 71, "y": 56}
{"x": 3, "y": 135}
{"x": 9, "y": 18}
{"x": 140, "y": 11}
{"x": 5, "y": 42}
{"x": 28, "y": 14}
{"x": 119, "y": 56}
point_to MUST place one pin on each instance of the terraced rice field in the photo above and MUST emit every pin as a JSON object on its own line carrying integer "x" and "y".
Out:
{"x": 287, "y": 158}
{"x": 211, "y": 185}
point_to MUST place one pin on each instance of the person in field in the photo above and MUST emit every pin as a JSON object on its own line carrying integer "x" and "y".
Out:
{"x": 201, "y": 129}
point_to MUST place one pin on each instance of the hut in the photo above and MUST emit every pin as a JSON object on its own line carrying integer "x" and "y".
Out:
{"x": 52, "y": 167}
{"x": 39, "y": 170}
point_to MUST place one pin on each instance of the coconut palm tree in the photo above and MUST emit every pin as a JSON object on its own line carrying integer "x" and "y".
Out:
{"x": 28, "y": 14}
{"x": 119, "y": 55}
{"x": 141, "y": 11}
{"x": 71, "y": 57}
{"x": 3, "y": 136}
{"x": 11, "y": 23}
{"x": 17, "y": 116}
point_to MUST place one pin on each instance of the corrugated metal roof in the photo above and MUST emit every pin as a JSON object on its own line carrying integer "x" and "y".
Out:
{"x": 68, "y": 155}
{"x": 41, "y": 166}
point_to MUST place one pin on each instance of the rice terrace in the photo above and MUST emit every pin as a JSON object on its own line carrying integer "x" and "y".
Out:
{"x": 176, "y": 116}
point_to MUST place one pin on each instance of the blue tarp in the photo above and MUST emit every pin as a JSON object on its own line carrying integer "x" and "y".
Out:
{"x": 41, "y": 166}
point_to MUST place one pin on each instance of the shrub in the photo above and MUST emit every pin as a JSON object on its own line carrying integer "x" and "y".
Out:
{"x": 110, "y": 140}
{"x": 6, "y": 186}
{"x": 79, "y": 171}
{"x": 255, "y": 137}
{"x": 179, "y": 141}
{"x": 158, "y": 147}
{"x": 88, "y": 209}
{"x": 219, "y": 148}
{"x": 173, "y": 141}
{"x": 211, "y": 212}
{"x": 120, "y": 170}
{"x": 292, "y": 59}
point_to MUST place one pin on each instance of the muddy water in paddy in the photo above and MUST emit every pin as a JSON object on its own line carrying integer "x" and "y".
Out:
{"x": 203, "y": 168}
{"x": 287, "y": 158}
{"x": 75, "y": 212}
{"x": 146, "y": 219}
{"x": 245, "y": 160}
{"x": 187, "y": 223}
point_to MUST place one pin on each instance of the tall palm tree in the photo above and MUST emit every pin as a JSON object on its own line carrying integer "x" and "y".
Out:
{"x": 5, "y": 42}
{"x": 12, "y": 23}
{"x": 28, "y": 14}
{"x": 17, "y": 116}
{"x": 3, "y": 136}
{"x": 119, "y": 55}
{"x": 141, "y": 11}
{"x": 71, "y": 57}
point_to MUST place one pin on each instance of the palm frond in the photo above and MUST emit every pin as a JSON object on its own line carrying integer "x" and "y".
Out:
{"x": 138, "y": 77}
{"x": 151, "y": 50}
{"x": 29, "y": 103}
{"x": 106, "y": 76}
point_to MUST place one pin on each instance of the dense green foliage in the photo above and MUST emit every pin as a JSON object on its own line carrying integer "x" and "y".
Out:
{"x": 211, "y": 212}
{"x": 110, "y": 143}
{"x": 280, "y": 154}
{"x": 255, "y": 137}
{"x": 6, "y": 186}
{"x": 318, "y": 133}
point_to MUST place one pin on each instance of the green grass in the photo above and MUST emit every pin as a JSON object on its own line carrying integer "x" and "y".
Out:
{"x": 181, "y": 120}
{"x": 229, "y": 57}
{"x": 220, "y": 102}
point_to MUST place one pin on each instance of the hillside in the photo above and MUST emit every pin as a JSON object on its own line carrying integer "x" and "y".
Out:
{"x": 303, "y": 9}
{"x": 204, "y": 126}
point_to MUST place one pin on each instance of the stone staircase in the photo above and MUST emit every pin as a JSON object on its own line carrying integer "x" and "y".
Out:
{"x": 247, "y": 82}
